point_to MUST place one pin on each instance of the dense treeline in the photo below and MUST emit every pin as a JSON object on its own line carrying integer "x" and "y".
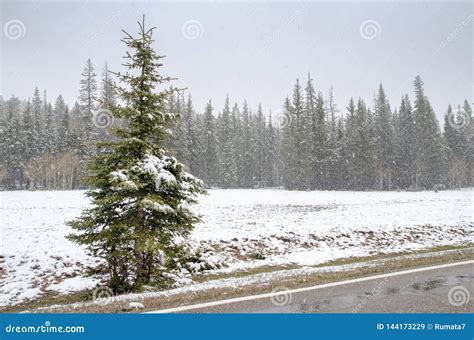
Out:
{"x": 46, "y": 146}
{"x": 314, "y": 146}
{"x": 308, "y": 145}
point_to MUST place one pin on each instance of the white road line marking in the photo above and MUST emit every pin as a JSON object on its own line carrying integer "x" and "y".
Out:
{"x": 304, "y": 289}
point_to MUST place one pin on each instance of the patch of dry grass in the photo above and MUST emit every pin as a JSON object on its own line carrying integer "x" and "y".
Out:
{"x": 367, "y": 266}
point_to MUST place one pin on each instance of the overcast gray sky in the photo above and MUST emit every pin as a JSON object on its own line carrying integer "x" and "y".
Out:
{"x": 251, "y": 50}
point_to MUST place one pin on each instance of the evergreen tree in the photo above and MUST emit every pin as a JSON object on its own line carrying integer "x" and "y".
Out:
{"x": 108, "y": 96}
{"x": 38, "y": 123}
{"x": 429, "y": 149}
{"x": 361, "y": 154}
{"x": 64, "y": 133}
{"x": 208, "y": 148}
{"x": 469, "y": 132}
{"x": 227, "y": 166}
{"x": 49, "y": 134}
{"x": 260, "y": 147}
{"x": 30, "y": 134}
{"x": 294, "y": 145}
{"x": 406, "y": 138}
{"x": 236, "y": 126}
{"x": 14, "y": 145}
{"x": 319, "y": 153}
{"x": 384, "y": 140}
{"x": 141, "y": 197}
{"x": 334, "y": 143}
{"x": 455, "y": 151}
{"x": 271, "y": 154}
{"x": 88, "y": 94}
{"x": 191, "y": 141}
{"x": 248, "y": 159}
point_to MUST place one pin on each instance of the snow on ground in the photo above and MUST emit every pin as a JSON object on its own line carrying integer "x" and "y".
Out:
{"x": 240, "y": 229}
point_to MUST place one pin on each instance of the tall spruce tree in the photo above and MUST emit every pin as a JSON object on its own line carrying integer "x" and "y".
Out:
{"x": 108, "y": 97}
{"x": 406, "y": 138}
{"x": 227, "y": 166}
{"x": 295, "y": 142}
{"x": 13, "y": 144}
{"x": 248, "y": 158}
{"x": 141, "y": 197}
{"x": 384, "y": 140}
{"x": 208, "y": 159}
{"x": 361, "y": 154}
{"x": 429, "y": 148}
{"x": 469, "y": 131}
{"x": 88, "y": 95}
{"x": 456, "y": 148}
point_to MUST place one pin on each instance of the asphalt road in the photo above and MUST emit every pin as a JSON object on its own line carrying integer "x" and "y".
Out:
{"x": 448, "y": 289}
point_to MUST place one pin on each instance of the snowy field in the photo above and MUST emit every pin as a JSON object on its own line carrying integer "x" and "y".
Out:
{"x": 241, "y": 229}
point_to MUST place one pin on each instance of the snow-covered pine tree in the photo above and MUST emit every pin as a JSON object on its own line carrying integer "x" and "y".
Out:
{"x": 141, "y": 197}
{"x": 227, "y": 166}
{"x": 64, "y": 131}
{"x": 108, "y": 96}
{"x": 88, "y": 95}
{"x": 14, "y": 145}
{"x": 293, "y": 144}
{"x": 469, "y": 131}
{"x": 38, "y": 123}
{"x": 341, "y": 177}
{"x": 208, "y": 160}
{"x": 287, "y": 153}
{"x": 455, "y": 150}
{"x": 190, "y": 133}
{"x": 384, "y": 140}
{"x": 406, "y": 141}
{"x": 248, "y": 159}
{"x": 429, "y": 148}
{"x": 49, "y": 134}
{"x": 312, "y": 147}
{"x": 334, "y": 144}
{"x": 236, "y": 125}
{"x": 271, "y": 153}
{"x": 260, "y": 147}
{"x": 360, "y": 150}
